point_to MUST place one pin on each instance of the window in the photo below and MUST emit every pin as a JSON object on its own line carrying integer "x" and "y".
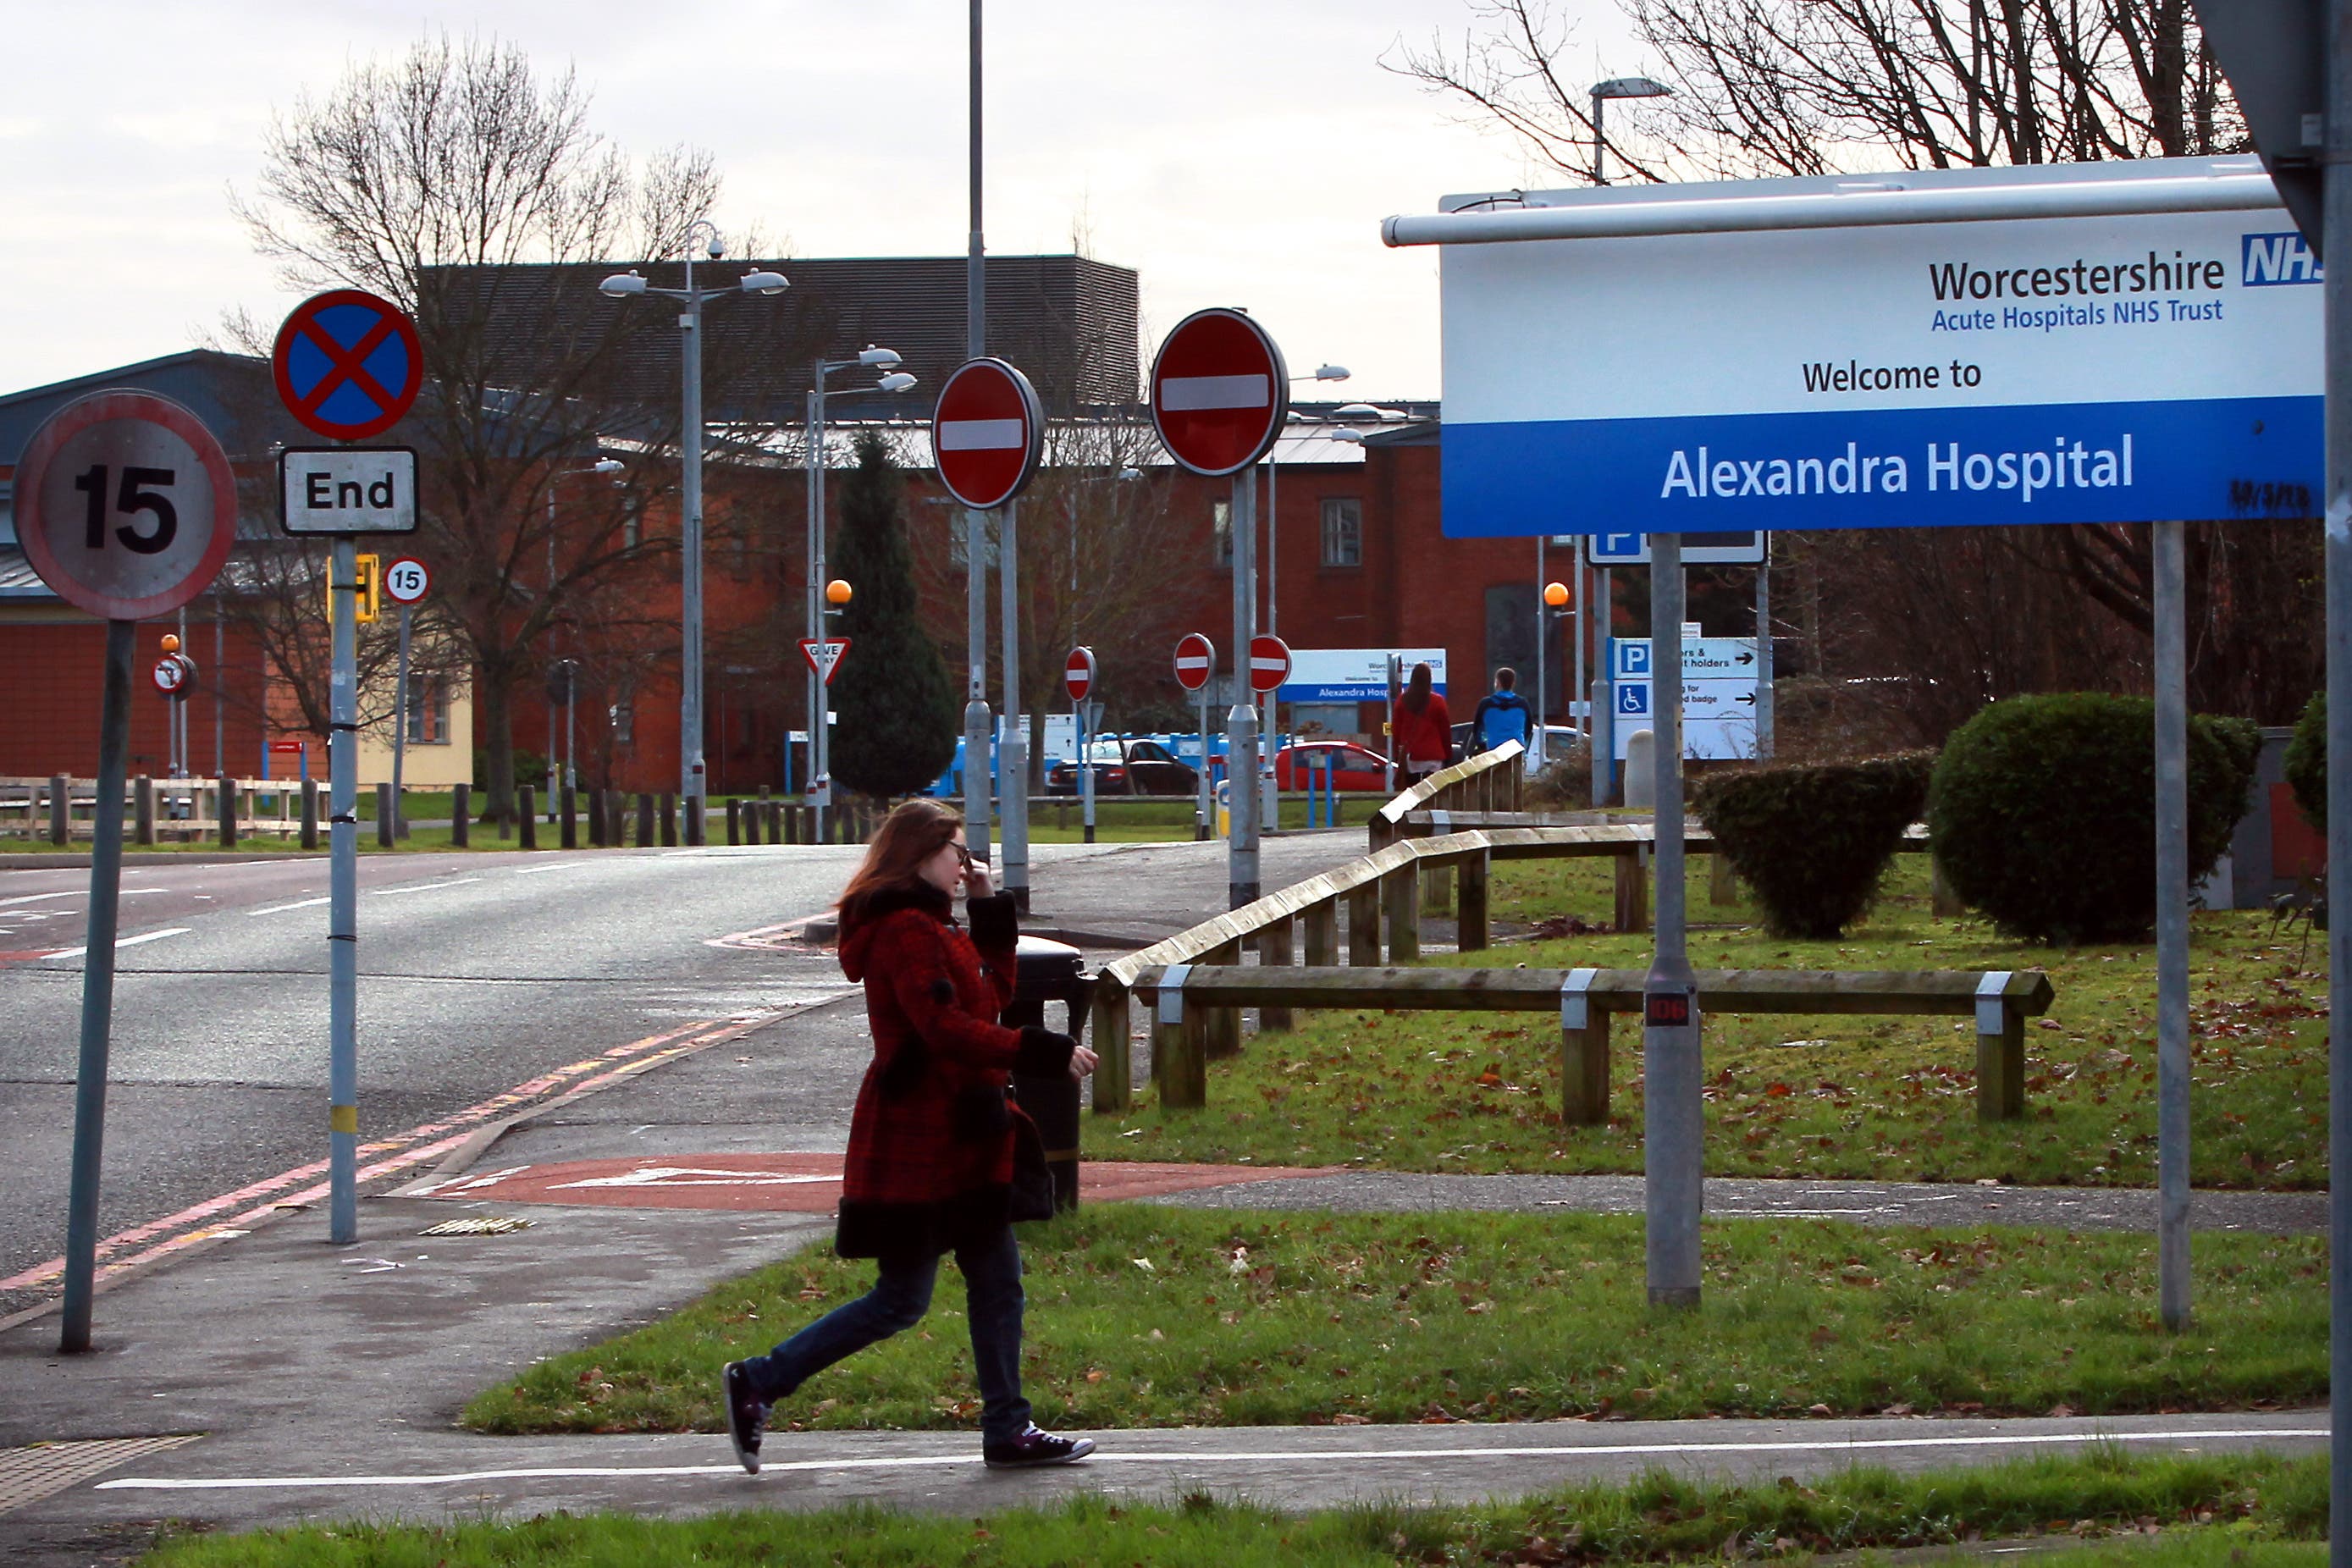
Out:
{"x": 624, "y": 723}
{"x": 1221, "y": 524}
{"x": 633, "y": 521}
{"x": 428, "y": 711}
{"x": 1343, "y": 532}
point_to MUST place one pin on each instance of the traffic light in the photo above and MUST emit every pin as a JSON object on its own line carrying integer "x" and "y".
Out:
{"x": 369, "y": 589}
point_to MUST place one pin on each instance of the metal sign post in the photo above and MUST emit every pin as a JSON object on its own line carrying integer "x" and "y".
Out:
{"x": 343, "y": 899}
{"x": 405, "y": 582}
{"x": 1196, "y": 662}
{"x": 1012, "y": 756}
{"x": 1241, "y": 719}
{"x": 1078, "y": 680}
{"x": 1673, "y": 1131}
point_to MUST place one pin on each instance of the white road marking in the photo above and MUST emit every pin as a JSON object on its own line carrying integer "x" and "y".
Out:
{"x": 125, "y": 942}
{"x": 298, "y": 904}
{"x": 556, "y": 865}
{"x": 1249, "y": 1456}
{"x": 421, "y": 887}
{"x": 688, "y": 1176}
{"x": 35, "y": 898}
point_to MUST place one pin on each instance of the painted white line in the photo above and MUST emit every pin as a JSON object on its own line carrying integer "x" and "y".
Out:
{"x": 297, "y": 904}
{"x": 121, "y": 943}
{"x": 421, "y": 887}
{"x": 983, "y": 435}
{"x": 557, "y": 866}
{"x": 32, "y": 898}
{"x": 1184, "y": 393}
{"x": 1248, "y": 1457}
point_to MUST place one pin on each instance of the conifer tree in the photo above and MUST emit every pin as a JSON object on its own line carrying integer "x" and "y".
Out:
{"x": 899, "y": 718}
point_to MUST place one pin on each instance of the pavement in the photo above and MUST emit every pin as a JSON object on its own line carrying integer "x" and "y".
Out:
{"x": 257, "y": 1374}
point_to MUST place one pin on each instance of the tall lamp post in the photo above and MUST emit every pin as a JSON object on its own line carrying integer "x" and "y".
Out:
{"x": 621, "y": 286}
{"x": 1602, "y": 92}
{"x": 602, "y": 465}
{"x": 1273, "y": 503}
{"x": 893, "y": 380}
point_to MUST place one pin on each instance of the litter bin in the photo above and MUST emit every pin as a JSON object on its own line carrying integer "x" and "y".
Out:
{"x": 1052, "y": 972}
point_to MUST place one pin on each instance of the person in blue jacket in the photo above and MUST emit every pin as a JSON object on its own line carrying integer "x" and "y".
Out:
{"x": 1502, "y": 714}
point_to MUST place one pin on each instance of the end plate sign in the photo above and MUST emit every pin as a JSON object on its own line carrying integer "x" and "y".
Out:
{"x": 347, "y": 490}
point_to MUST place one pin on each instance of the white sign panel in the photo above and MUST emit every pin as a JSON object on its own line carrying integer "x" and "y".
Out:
{"x": 1704, "y": 659}
{"x": 348, "y": 489}
{"x": 2055, "y": 370}
{"x": 1354, "y": 674}
{"x": 1743, "y": 548}
{"x": 1719, "y": 717}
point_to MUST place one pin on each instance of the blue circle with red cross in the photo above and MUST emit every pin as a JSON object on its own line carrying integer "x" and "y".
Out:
{"x": 348, "y": 364}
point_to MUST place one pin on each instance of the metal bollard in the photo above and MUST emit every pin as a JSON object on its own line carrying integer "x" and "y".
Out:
{"x": 383, "y": 817}
{"x": 569, "y": 824}
{"x": 309, "y": 814}
{"x": 142, "y": 810}
{"x": 461, "y": 815}
{"x": 60, "y": 808}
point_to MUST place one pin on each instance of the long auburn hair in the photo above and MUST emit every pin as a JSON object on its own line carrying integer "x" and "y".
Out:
{"x": 909, "y": 835}
{"x": 1417, "y": 690}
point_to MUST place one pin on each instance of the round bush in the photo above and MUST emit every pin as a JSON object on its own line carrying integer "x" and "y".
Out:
{"x": 2043, "y": 811}
{"x": 2307, "y": 762}
{"x": 1812, "y": 841}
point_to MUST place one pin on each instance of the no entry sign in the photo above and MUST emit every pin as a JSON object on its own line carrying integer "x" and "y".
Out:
{"x": 1269, "y": 663}
{"x": 125, "y": 505}
{"x": 348, "y": 364}
{"x": 986, "y": 431}
{"x": 1196, "y": 660}
{"x": 1079, "y": 673}
{"x": 1219, "y": 391}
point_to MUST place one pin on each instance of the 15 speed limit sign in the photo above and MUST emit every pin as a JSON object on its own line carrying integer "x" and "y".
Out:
{"x": 125, "y": 505}
{"x": 405, "y": 580}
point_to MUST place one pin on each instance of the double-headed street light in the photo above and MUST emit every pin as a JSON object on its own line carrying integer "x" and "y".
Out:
{"x": 1602, "y": 92}
{"x": 622, "y": 286}
{"x": 893, "y": 380}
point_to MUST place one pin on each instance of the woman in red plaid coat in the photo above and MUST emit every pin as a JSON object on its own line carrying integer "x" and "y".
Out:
{"x": 931, "y": 1159}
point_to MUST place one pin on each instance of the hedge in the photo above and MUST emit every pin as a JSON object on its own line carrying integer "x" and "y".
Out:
{"x": 1812, "y": 841}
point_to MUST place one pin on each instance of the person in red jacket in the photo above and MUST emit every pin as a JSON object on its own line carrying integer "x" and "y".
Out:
{"x": 931, "y": 1162}
{"x": 1421, "y": 731}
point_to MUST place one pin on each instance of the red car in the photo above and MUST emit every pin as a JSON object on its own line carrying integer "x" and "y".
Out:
{"x": 1353, "y": 767}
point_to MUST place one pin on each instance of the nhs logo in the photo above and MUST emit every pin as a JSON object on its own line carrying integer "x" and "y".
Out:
{"x": 2273, "y": 258}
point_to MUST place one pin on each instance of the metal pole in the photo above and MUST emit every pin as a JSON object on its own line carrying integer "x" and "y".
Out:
{"x": 1241, "y": 723}
{"x": 1085, "y": 767}
{"x": 820, "y": 693}
{"x": 2171, "y": 928}
{"x": 2337, "y": 286}
{"x": 690, "y": 783}
{"x": 1543, "y": 624}
{"x": 571, "y": 741}
{"x": 400, "y": 732}
{"x": 1672, "y": 1132}
{"x": 1599, "y": 141}
{"x": 551, "y": 707}
{"x": 220, "y": 696}
{"x": 342, "y": 905}
{"x": 1273, "y": 538}
{"x": 1764, "y": 652}
{"x": 976, "y": 720}
{"x": 812, "y": 459}
{"x": 1583, "y": 624}
{"x": 1013, "y": 767}
{"x": 97, "y": 991}
{"x": 1603, "y": 715}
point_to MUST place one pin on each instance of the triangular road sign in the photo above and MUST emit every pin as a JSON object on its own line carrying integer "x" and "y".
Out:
{"x": 824, "y": 655}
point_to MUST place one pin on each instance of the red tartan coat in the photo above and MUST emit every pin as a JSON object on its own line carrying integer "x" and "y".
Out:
{"x": 930, "y": 1141}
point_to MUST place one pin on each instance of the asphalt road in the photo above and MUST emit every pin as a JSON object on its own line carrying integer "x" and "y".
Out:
{"x": 479, "y": 973}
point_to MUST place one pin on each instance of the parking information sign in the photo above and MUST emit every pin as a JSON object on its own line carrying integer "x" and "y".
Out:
{"x": 1718, "y": 694}
{"x": 2038, "y": 370}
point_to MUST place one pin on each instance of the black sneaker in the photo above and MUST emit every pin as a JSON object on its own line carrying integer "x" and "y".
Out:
{"x": 747, "y": 1414}
{"x": 1032, "y": 1448}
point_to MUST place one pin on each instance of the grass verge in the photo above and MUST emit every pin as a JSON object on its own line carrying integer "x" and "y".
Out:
{"x": 1148, "y": 1316}
{"x": 2241, "y": 1510}
{"x": 1880, "y": 1098}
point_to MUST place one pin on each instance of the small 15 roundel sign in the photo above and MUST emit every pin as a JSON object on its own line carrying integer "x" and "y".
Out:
{"x": 1079, "y": 673}
{"x": 986, "y": 432}
{"x": 1219, "y": 391}
{"x": 1196, "y": 660}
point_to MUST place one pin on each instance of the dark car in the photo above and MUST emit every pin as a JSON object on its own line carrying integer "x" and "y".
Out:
{"x": 1127, "y": 767}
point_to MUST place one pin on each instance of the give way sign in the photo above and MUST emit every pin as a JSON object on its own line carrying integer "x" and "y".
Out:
{"x": 824, "y": 655}
{"x": 1196, "y": 660}
{"x": 986, "y": 431}
{"x": 1219, "y": 391}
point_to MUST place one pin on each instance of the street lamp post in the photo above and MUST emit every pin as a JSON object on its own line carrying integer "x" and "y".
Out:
{"x": 621, "y": 286}
{"x": 893, "y": 380}
{"x": 602, "y": 465}
{"x": 1602, "y": 92}
{"x": 1274, "y": 505}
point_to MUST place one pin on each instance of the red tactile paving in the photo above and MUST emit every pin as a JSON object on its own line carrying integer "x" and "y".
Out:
{"x": 792, "y": 1183}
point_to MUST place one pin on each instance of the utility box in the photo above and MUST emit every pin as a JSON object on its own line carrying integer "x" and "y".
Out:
{"x": 1044, "y": 972}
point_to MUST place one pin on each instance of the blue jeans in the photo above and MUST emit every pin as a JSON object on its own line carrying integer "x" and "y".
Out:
{"x": 901, "y": 1295}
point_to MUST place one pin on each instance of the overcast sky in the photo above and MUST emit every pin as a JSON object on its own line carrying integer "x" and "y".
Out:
{"x": 1233, "y": 151}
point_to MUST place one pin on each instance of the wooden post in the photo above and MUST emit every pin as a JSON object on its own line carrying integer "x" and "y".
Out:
{"x": 142, "y": 810}
{"x": 60, "y": 808}
{"x": 645, "y": 830}
{"x": 1274, "y": 948}
{"x": 1944, "y": 903}
{"x": 594, "y": 803}
{"x": 791, "y": 825}
{"x": 1399, "y": 891}
{"x": 1722, "y": 886}
{"x": 461, "y": 815}
{"x": 1321, "y": 920}
{"x": 227, "y": 812}
{"x": 1633, "y": 911}
{"x": 735, "y": 821}
{"x": 1520, "y": 774}
{"x": 309, "y": 814}
{"x": 383, "y": 817}
{"x": 1222, "y": 1034}
{"x": 1584, "y": 1071}
{"x": 1364, "y": 925}
{"x": 527, "y": 819}
{"x": 668, "y": 819}
{"x": 1436, "y": 888}
{"x": 1470, "y": 917}
{"x": 1114, "y": 1076}
{"x": 1179, "y": 1061}
{"x": 616, "y": 802}
{"x": 2001, "y": 1069}
{"x": 567, "y": 819}
{"x": 776, "y": 813}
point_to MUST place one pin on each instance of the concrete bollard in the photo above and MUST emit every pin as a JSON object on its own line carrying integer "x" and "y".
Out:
{"x": 1641, "y": 792}
{"x": 309, "y": 814}
{"x": 60, "y": 808}
{"x": 526, "y": 818}
{"x": 461, "y": 815}
{"x": 142, "y": 810}
{"x": 568, "y": 821}
{"x": 228, "y": 788}
{"x": 384, "y": 817}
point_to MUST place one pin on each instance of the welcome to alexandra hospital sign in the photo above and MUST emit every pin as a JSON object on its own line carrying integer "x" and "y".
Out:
{"x": 2105, "y": 342}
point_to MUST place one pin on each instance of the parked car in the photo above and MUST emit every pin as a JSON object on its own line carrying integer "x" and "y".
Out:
{"x": 1558, "y": 739}
{"x": 1353, "y": 767}
{"x": 1125, "y": 767}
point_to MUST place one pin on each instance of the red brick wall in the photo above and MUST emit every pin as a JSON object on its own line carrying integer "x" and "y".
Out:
{"x": 57, "y": 685}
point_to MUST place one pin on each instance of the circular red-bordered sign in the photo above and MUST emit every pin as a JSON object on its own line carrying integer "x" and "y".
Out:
{"x": 1196, "y": 660}
{"x": 174, "y": 674}
{"x": 348, "y": 364}
{"x": 1269, "y": 663}
{"x": 1079, "y": 673}
{"x": 405, "y": 580}
{"x": 1219, "y": 391}
{"x": 987, "y": 430}
{"x": 125, "y": 505}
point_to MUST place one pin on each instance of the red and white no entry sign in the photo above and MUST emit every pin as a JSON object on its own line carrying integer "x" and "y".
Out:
{"x": 824, "y": 655}
{"x": 986, "y": 432}
{"x": 1196, "y": 660}
{"x": 1219, "y": 391}
{"x": 1269, "y": 663}
{"x": 125, "y": 505}
{"x": 1079, "y": 673}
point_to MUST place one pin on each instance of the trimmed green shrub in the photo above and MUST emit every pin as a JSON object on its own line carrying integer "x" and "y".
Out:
{"x": 1812, "y": 841}
{"x": 2043, "y": 811}
{"x": 2307, "y": 762}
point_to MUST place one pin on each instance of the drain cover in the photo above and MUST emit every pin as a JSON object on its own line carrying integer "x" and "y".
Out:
{"x": 44, "y": 1469}
{"x": 482, "y": 1225}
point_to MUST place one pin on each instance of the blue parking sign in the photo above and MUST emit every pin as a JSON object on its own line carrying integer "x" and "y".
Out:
{"x": 1629, "y": 656}
{"x": 1633, "y": 699}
